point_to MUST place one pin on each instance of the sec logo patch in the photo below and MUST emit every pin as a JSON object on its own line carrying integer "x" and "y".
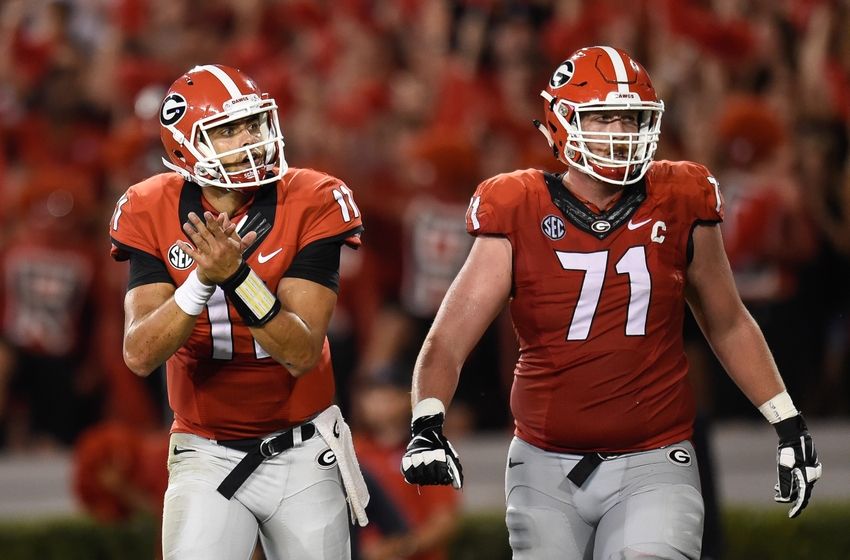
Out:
{"x": 326, "y": 459}
{"x": 178, "y": 259}
{"x": 679, "y": 456}
{"x": 553, "y": 227}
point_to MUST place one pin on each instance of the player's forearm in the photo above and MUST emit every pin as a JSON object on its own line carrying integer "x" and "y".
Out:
{"x": 742, "y": 350}
{"x": 475, "y": 298}
{"x": 436, "y": 372}
{"x": 152, "y": 339}
{"x": 291, "y": 342}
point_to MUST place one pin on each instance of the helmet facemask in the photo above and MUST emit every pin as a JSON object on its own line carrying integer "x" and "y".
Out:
{"x": 619, "y": 158}
{"x": 264, "y": 161}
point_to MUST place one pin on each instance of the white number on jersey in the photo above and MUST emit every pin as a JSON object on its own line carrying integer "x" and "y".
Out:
{"x": 594, "y": 266}
{"x": 341, "y": 195}
{"x": 221, "y": 329}
{"x": 473, "y": 211}
{"x": 716, "y": 185}
{"x": 117, "y": 214}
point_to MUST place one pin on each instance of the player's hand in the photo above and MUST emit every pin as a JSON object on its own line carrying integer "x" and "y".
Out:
{"x": 430, "y": 458}
{"x": 229, "y": 229}
{"x": 797, "y": 464}
{"x": 217, "y": 247}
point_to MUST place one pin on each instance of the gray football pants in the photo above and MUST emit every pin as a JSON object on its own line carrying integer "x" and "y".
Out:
{"x": 640, "y": 505}
{"x": 295, "y": 501}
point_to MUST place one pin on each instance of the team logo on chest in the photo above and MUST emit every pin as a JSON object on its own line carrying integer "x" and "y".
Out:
{"x": 553, "y": 227}
{"x": 600, "y": 226}
{"x": 179, "y": 259}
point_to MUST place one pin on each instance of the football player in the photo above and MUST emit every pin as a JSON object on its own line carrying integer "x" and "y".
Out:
{"x": 597, "y": 263}
{"x": 234, "y": 272}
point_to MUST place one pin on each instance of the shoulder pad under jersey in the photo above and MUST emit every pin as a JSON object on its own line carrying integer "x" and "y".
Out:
{"x": 693, "y": 184}
{"x": 138, "y": 211}
{"x": 493, "y": 208}
{"x": 325, "y": 205}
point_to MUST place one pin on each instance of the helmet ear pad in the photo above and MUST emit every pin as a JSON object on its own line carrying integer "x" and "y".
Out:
{"x": 555, "y": 133}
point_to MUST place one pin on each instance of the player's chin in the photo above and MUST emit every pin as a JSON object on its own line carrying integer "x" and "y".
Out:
{"x": 237, "y": 167}
{"x": 244, "y": 164}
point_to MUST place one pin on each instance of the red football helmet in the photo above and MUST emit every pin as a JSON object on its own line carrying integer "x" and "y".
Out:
{"x": 602, "y": 79}
{"x": 209, "y": 96}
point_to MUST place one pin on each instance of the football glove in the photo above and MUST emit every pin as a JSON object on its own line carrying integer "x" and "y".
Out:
{"x": 430, "y": 458}
{"x": 797, "y": 465}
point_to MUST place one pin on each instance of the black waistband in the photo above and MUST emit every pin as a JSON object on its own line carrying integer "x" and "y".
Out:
{"x": 590, "y": 462}
{"x": 246, "y": 445}
{"x": 256, "y": 451}
{"x": 584, "y": 468}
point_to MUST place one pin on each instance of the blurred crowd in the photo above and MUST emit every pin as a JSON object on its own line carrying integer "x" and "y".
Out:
{"x": 412, "y": 103}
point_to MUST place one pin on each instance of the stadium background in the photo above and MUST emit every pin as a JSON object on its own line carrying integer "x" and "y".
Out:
{"x": 412, "y": 102}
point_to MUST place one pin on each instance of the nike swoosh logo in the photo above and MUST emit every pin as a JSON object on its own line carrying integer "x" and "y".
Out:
{"x": 512, "y": 464}
{"x": 633, "y": 225}
{"x": 266, "y": 258}
{"x": 178, "y": 451}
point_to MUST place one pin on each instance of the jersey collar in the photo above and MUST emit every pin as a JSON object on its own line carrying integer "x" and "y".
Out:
{"x": 599, "y": 225}
{"x": 260, "y": 216}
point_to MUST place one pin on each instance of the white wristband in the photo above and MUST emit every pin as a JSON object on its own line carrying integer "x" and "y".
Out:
{"x": 192, "y": 296}
{"x": 428, "y": 407}
{"x": 779, "y": 408}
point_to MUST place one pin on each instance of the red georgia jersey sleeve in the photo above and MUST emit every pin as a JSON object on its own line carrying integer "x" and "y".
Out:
{"x": 329, "y": 210}
{"x": 703, "y": 192}
{"x": 493, "y": 208}
{"x": 133, "y": 222}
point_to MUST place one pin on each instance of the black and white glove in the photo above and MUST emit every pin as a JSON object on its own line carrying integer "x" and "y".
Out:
{"x": 797, "y": 465}
{"x": 430, "y": 458}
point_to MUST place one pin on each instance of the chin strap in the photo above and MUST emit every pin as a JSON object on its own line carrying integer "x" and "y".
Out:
{"x": 545, "y": 132}
{"x": 213, "y": 179}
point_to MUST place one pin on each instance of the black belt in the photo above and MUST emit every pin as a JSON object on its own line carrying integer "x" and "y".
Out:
{"x": 256, "y": 451}
{"x": 586, "y": 465}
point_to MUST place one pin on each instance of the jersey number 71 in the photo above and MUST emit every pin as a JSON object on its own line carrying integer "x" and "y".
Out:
{"x": 594, "y": 266}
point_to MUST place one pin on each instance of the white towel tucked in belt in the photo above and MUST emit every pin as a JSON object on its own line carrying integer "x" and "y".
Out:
{"x": 333, "y": 429}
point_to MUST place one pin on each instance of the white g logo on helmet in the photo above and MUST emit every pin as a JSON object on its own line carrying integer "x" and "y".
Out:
{"x": 563, "y": 74}
{"x": 172, "y": 110}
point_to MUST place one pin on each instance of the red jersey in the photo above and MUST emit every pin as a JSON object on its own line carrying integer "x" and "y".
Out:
{"x": 598, "y": 304}
{"x": 221, "y": 383}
